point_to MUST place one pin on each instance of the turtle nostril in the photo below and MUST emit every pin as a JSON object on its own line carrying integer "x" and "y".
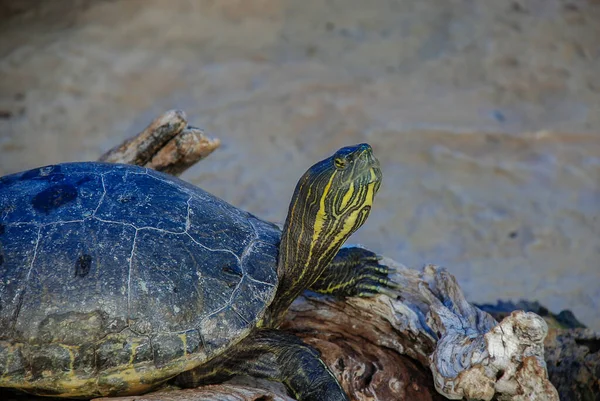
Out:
{"x": 364, "y": 148}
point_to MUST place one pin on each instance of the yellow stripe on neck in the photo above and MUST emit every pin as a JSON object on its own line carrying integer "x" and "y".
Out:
{"x": 347, "y": 196}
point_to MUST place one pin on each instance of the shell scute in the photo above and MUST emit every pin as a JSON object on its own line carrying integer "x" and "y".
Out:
{"x": 17, "y": 246}
{"x": 220, "y": 226}
{"x": 49, "y": 358}
{"x": 251, "y": 298}
{"x": 131, "y": 198}
{"x": 55, "y": 195}
{"x": 168, "y": 347}
{"x": 52, "y": 285}
{"x": 176, "y": 282}
{"x": 12, "y": 360}
{"x": 219, "y": 329}
{"x": 258, "y": 261}
{"x": 120, "y": 349}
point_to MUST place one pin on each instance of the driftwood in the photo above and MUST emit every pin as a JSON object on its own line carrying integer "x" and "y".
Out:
{"x": 384, "y": 348}
{"x": 572, "y": 351}
{"x": 223, "y": 392}
{"x": 431, "y": 323}
{"x": 168, "y": 144}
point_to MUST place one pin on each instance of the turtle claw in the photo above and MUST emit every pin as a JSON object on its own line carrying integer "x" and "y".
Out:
{"x": 369, "y": 286}
{"x": 373, "y": 291}
{"x": 370, "y": 276}
{"x": 356, "y": 272}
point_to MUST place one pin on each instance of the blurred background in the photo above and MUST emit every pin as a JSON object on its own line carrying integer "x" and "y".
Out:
{"x": 484, "y": 114}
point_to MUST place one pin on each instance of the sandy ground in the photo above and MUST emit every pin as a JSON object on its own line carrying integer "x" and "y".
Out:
{"x": 485, "y": 116}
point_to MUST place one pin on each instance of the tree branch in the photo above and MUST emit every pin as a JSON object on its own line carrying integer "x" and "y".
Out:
{"x": 168, "y": 144}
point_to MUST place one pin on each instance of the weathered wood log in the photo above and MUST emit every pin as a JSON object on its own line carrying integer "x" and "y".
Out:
{"x": 223, "y": 392}
{"x": 168, "y": 144}
{"x": 572, "y": 351}
{"x": 391, "y": 348}
{"x": 431, "y": 322}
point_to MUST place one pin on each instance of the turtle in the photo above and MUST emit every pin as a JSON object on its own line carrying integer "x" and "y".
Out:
{"x": 115, "y": 279}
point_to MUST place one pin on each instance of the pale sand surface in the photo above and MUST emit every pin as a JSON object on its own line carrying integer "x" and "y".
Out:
{"x": 485, "y": 116}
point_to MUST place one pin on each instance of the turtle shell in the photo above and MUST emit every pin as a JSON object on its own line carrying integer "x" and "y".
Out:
{"x": 114, "y": 278}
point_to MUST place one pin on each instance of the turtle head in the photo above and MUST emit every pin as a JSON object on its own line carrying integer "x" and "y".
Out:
{"x": 331, "y": 201}
{"x": 344, "y": 185}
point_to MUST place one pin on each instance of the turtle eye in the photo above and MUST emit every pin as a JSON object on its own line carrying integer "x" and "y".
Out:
{"x": 340, "y": 163}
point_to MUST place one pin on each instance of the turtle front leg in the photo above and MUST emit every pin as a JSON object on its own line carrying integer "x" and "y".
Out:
{"x": 272, "y": 355}
{"x": 355, "y": 272}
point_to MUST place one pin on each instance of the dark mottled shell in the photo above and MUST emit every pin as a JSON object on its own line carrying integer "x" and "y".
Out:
{"x": 121, "y": 264}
